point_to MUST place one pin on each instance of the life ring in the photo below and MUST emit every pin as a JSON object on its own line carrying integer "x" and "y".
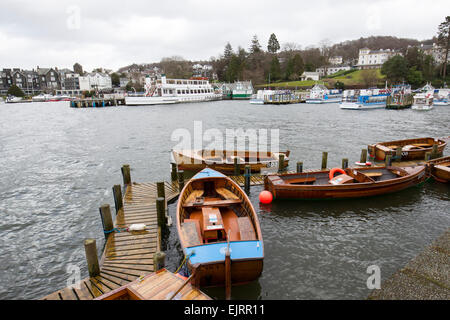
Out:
{"x": 335, "y": 170}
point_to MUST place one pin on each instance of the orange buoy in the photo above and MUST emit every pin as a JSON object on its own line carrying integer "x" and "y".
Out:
{"x": 266, "y": 197}
{"x": 334, "y": 171}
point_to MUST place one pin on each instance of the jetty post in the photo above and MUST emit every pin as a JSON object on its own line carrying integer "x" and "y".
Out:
{"x": 161, "y": 190}
{"x": 161, "y": 211}
{"x": 299, "y": 167}
{"x": 344, "y": 163}
{"x": 281, "y": 163}
{"x": 324, "y": 160}
{"x": 181, "y": 180}
{"x": 173, "y": 172}
{"x": 247, "y": 176}
{"x": 237, "y": 169}
{"x": 388, "y": 161}
{"x": 90, "y": 247}
{"x": 107, "y": 221}
{"x": 363, "y": 156}
{"x": 159, "y": 260}
{"x": 428, "y": 156}
{"x": 435, "y": 151}
{"x": 118, "y": 200}
{"x": 126, "y": 174}
{"x": 398, "y": 153}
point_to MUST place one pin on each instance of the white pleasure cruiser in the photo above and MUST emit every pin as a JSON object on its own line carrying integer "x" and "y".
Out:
{"x": 169, "y": 91}
{"x": 423, "y": 101}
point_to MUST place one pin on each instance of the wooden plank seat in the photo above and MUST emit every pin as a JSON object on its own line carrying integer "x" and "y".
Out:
{"x": 246, "y": 229}
{"x": 192, "y": 233}
{"x": 214, "y": 203}
{"x": 194, "y": 195}
{"x": 308, "y": 180}
{"x": 374, "y": 174}
{"x": 226, "y": 194}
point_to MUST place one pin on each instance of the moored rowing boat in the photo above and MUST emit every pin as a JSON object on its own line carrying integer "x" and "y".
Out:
{"x": 352, "y": 183}
{"x": 412, "y": 149}
{"x": 214, "y": 216}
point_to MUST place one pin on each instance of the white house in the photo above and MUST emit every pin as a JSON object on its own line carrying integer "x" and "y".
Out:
{"x": 374, "y": 59}
{"x": 95, "y": 81}
{"x": 337, "y": 60}
{"x": 310, "y": 76}
{"x": 326, "y": 71}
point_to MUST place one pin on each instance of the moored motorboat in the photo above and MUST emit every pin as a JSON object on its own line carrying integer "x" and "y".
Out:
{"x": 352, "y": 183}
{"x": 412, "y": 149}
{"x": 214, "y": 215}
{"x": 224, "y": 160}
{"x": 366, "y": 100}
{"x": 423, "y": 101}
{"x": 440, "y": 169}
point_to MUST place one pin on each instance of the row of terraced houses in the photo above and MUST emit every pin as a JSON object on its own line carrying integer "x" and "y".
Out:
{"x": 53, "y": 80}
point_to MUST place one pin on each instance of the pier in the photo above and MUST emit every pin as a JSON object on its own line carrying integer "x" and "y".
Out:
{"x": 129, "y": 256}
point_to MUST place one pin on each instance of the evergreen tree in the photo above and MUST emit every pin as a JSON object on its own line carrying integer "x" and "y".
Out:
{"x": 275, "y": 69}
{"x": 273, "y": 46}
{"x": 298, "y": 66}
{"x": 228, "y": 51}
{"x": 444, "y": 42}
{"x": 395, "y": 69}
{"x": 255, "y": 47}
{"x": 15, "y": 91}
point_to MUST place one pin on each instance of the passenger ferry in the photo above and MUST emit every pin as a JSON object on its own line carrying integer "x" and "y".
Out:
{"x": 320, "y": 94}
{"x": 367, "y": 99}
{"x": 240, "y": 90}
{"x": 170, "y": 91}
{"x": 441, "y": 97}
{"x": 401, "y": 97}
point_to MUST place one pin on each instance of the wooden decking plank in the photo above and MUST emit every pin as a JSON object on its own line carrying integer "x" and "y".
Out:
{"x": 125, "y": 278}
{"x": 67, "y": 294}
{"x": 82, "y": 292}
{"x": 52, "y": 296}
{"x": 108, "y": 283}
{"x": 143, "y": 269}
{"x": 95, "y": 291}
{"x": 131, "y": 273}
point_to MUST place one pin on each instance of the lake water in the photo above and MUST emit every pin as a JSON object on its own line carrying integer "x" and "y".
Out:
{"x": 58, "y": 165}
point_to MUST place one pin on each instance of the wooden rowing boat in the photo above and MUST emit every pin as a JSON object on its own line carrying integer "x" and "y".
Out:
{"x": 412, "y": 149}
{"x": 160, "y": 285}
{"x": 214, "y": 215}
{"x": 223, "y": 160}
{"x": 361, "y": 182}
{"x": 440, "y": 169}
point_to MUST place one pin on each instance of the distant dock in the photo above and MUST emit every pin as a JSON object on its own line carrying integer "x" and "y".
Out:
{"x": 96, "y": 102}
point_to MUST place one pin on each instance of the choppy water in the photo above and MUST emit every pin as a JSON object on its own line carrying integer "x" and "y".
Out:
{"x": 58, "y": 166}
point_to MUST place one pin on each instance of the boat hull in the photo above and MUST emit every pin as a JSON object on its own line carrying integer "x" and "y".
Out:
{"x": 212, "y": 274}
{"x": 422, "y": 107}
{"x": 345, "y": 191}
{"x": 440, "y": 169}
{"x": 360, "y": 106}
{"x": 187, "y": 162}
{"x": 323, "y": 101}
{"x": 379, "y": 151}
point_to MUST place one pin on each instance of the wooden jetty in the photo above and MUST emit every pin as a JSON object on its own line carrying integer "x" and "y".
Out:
{"x": 131, "y": 255}
{"x": 426, "y": 277}
{"x": 96, "y": 102}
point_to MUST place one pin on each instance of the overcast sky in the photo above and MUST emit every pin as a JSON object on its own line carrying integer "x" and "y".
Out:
{"x": 112, "y": 34}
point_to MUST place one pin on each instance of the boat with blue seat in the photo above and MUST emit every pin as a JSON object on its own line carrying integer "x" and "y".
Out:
{"x": 216, "y": 219}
